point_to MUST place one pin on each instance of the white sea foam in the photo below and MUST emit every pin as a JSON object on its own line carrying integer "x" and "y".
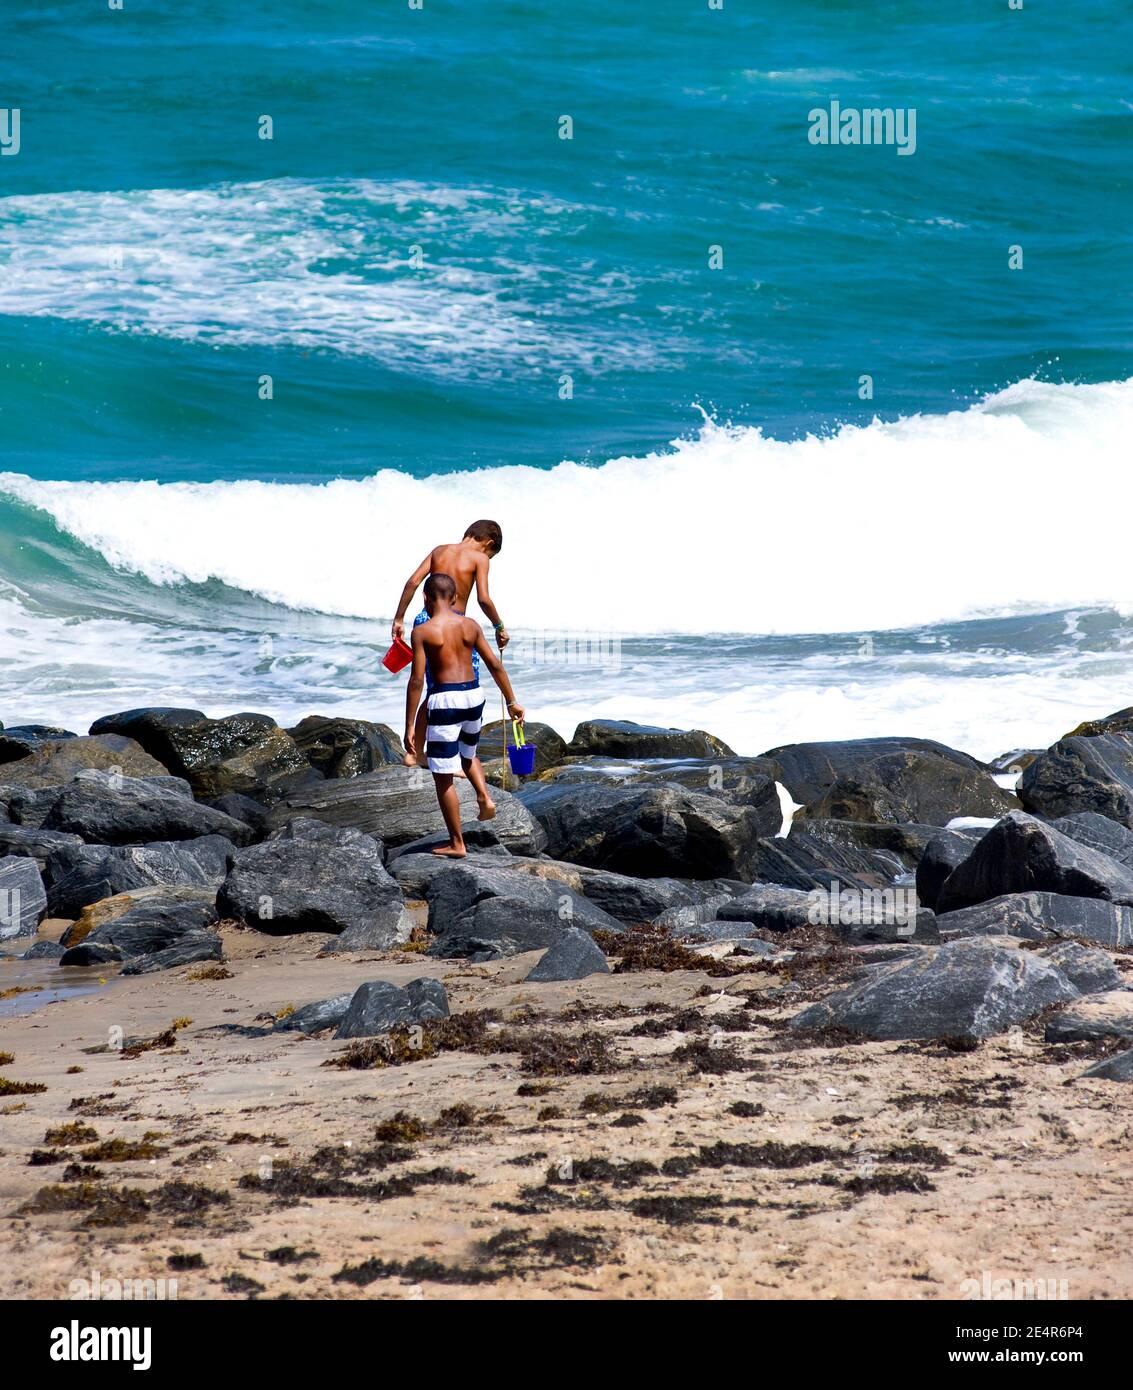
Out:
{"x": 1012, "y": 505}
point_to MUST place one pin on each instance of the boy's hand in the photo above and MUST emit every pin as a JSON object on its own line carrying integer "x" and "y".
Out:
{"x": 516, "y": 711}
{"x": 408, "y": 742}
{"x": 398, "y": 630}
{"x": 502, "y": 638}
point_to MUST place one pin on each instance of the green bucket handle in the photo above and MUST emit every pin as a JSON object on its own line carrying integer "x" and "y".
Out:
{"x": 518, "y": 734}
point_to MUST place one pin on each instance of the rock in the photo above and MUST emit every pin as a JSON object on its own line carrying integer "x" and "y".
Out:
{"x": 646, "y": 832}
{"x": 1082, "y": 774}
{"x": 313, "y": 1018}
{"x": 44, "y": 950}
{"x": 346, "y": 747}
{"x": 943, "y": 853}
{"x": 242, "y": 808}
{"x": 737, "y": 780}
{"x": 478, "y": 838}
{"x": 109, "y": 810}
{"x": 28, "y": 806}
{"x": 896, "y": 780}
{"x": 198, "y": 946}
{"x": 638, "y": 901}
{"x": 1021, "y": 854}
{"x": 56, "y": 761}
{"x": 82, "y": 875}
{"x": 462, "y": 886}
{"x": 1119, "y": 723}
{"x": 856, "y": 916}
{"x": 91, "y": 953}
{"x": 1089, "y": 970}
{"x": 36, "y": 845}
{"x": 23, "y": 900}
{"x": 414, "y": 872}
{"x": 146, "y": 921}
{"x": 970, "y": 989}
{"x": 398, "y": 804}
{"x": 769, "y": 908}
{"x": 550, "y": 747}
{"x": 1119, "y": 1067}
{"x": 22, "y": 739}
{"x": 699, "y": 919}
{"x": 310, "y": 876}
{"x": 616, "y": 738}
{"x": 905, "y": 845}
{"x": 244, "y": 753}
{"x": 573, "y": 956}
{"x": 378, "y": 1006}
{"x": 1100, "y": 833}
{"x": 800, "y": 860}
{"x": 1042, "y": 917}
{"x": 497, "y": 927}
{"x": 1015, "y": 762}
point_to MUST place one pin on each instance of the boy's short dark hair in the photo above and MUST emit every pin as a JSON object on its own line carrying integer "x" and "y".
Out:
{"x": 486, "y": 531}
{"x": 440, "y": 586}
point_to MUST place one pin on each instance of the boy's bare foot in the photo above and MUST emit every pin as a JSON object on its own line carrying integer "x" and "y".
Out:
{"x": 451, "y": 852}
{"x": 410, "y": 760}
{"x": 487, "y": 809}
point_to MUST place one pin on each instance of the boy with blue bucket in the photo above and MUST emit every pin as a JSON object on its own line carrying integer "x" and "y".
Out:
{"x": 444, "y": 648}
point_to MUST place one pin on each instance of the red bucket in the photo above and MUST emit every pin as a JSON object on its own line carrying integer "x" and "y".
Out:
{"x": 398, "y": 657}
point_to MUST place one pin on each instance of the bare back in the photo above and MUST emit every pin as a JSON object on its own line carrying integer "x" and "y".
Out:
{"x": 461, "y": 561}
{"x": 449, "y": 641}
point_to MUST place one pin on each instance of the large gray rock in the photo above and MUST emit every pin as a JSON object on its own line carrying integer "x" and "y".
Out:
{"x": 800, "y": 860}
{"x": 617, "y": 738}
{"x": 1119, "y": 1067}
{"x": 245, "y": 753}
{"x": 768, "y": 907}
{"x": 905, "y": 844}
{"x": 346, "y": 747}
{"x": 84, "y": 874}
{"x": 21, "y": 739}
{"x": 189, "y": 950}
{"x": 109, "y": 810}
{"x": 646, "y": 832}
{"x": 1107, "y": 836}
{"x": 399, "y": 804}
{"x": 499, "y": 927}
{"x": 1082, "y": 774}
{"x": 737, "y": 780}
{"x": 56, "y": 761}
{"x": 897, "y": 780}
{"x": 414, "y": 872}
{"x": 970, "y": 989}
{"x": 156, "y": 919}
{"x": 1042, "y": 917}
{"x": 1021, "y": 855}
{"x": 310, "y": 876}
{"x": 313, "y": 1018}
{"x": 1107, "y": 1015}
{"x": 462, "y": 886}
{"x": 574, "y": 956}
{"x": 1089, "y": 970}
{"x": 36, "y": 845}
{"x": 943, "y": 853}
{"x": 23, "y": 899}
{"x": 92, "y": 953}
{"x": 378, "y": 1006}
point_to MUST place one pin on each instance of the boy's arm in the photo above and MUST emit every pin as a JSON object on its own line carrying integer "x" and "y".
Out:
{"x": 499, "y": 675}
{"x": 420, "y": 574}
{"x": 484, "y": 600}
{"x": 413, "y": 694}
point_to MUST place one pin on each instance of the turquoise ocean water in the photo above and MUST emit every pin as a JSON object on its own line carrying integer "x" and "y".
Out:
{"x": 462, "y": 314}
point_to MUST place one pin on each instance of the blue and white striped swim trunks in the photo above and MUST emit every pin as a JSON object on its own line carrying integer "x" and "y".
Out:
{"x": 456, "y": 715}
{"x": 423, "y": 617}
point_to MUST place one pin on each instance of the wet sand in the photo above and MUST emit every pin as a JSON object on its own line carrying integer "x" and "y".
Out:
{"x": 926, "y": 1167}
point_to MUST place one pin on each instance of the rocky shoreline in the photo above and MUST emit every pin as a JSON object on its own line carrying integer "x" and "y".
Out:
{"x": 913, "y": 896}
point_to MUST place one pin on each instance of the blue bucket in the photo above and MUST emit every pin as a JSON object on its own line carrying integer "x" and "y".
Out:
{"x": 522, "y": 755}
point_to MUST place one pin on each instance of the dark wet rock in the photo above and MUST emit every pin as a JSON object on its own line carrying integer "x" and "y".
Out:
{"x": 22, "y": 739}
{"x": 55, "y": 762}
{"x": 906, "y": 844}
{"x": 310, "y": 876}
{"x": 189, "y": 950}
{"x": 638, "y": 901}
{"x": 346, "y": 747}
{"x": 83, "y": 874}
{"x": 1089, "y": 970}
{"x": 1021, "y": 854}
{"x": 646, "y": 832}
{"x": 970, "y": 989}
{"x": 109, "y": 810}
{"x": 550, "y": 747}
{"x": 574, "y": 956}
{"x": 399, "y": 804}
{"x": 738, "y": 781}
{"x": 615, "y": 738}
{"x": 896, "y": 780}
{"x": 245, "y": 753}
{"x": 1082, "y": 774}
{"x": 1105, "y": 1015}
{"x": 313, "y": 1018}
{"x": 769, "y": 908}
{"x": 944, "y": 852}
{"x": 44, "y": 950}
{"x": 378, "y": 1006}
{"x": 1099, "y": 832}
{"x": 29, "y": 806}
{"x": 36, "y": 845}
{"x": 478, "y": 839}
{"x": 1015, "y": 762}
{"x": 23, "y": 899}
{"x": 1120, "y": 722}
{"x": 463, "y": 886}
{"x": 698, "y": 917}
{"x": 1042, "y": 917}
{"x": 414, "y": 872}
{"x": 153, "y": 920}
{"x": 499, "y": 926}
{"x": 800, "y": 860}
{"x": 91, "y": 953}
{"x": 1119, "y": 1067}
{"x": 242, "y": 808}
